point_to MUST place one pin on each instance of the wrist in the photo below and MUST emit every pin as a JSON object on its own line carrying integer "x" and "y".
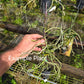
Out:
{"x": 17, "y": 52}
{"x": 18, "y": 49}
{"x": 10, "y": 56}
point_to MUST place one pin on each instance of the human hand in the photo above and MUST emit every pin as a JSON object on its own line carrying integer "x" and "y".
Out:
{"x": 30, "y": 43}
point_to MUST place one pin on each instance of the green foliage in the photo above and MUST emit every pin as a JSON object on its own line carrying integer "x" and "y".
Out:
{"x": 0, "y": 80}
{"x": 42, "y": 82}
{"x": 78, "y": 62}
{"x": 4, "y": 18}
{"x": 4, "y": 1}
{"x": 73, "y": 0}
{"x": 67, "y": 18}
{"x": 18, "y": 21}
{"x": 63, "y": 79}
{"x": 34, "y": 24}
{"x": 13, "y": 81}
{"x": 9, "y": 79}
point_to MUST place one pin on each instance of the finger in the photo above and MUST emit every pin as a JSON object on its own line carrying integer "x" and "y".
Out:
{"x": 42, "y": 45}
{"x": 36, "y": 36}
{"x": 40, "y": 42}
{"x": 37, "y": 49}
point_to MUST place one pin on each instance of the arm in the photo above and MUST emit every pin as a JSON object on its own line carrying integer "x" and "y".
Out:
{"x": 27, "y": 44}
{"x": 7, "y": 59}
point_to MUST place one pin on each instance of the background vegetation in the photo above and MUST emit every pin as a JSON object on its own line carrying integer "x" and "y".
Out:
{"x": 63, "y": 23}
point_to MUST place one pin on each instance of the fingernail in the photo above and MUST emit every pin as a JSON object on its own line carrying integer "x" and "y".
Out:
{"x": 43, "y": 41}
